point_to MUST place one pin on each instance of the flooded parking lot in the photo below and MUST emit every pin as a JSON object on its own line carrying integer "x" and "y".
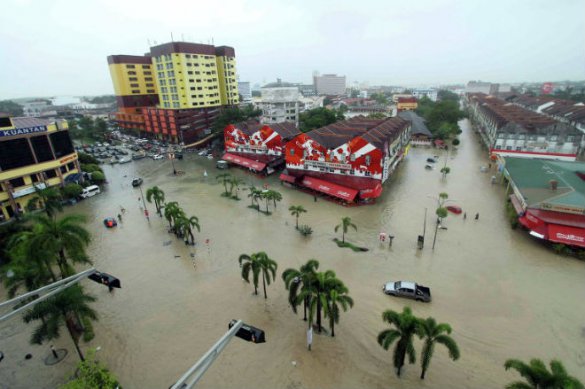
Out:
{"x": 504, "y": 294}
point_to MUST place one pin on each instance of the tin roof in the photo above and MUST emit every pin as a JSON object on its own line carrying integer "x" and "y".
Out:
{"x": 29, "y": 122}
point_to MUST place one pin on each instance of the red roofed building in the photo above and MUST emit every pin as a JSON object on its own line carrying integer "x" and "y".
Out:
{"x": 259, "y": 147}
{"x": 406, "y": 104}
{"x": 348, "y": 160}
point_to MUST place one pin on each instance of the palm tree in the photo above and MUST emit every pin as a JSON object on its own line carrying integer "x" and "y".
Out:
{"x": 406, "y": 326}
{"x": 258, "y": 263}
{"x": 296, "y": 210}
{"x": 258, "y": 195}
{"x": 316, "y": 293}
{"x": 225, "y": 179}
{"x": 252, "y": 194}
{"x": 172, "y": 211}
{"x": 275, "y": 196}
{"x": 156, "y": 194}
{"x": 235, "y": 182}
{"x": 58, "y": 310}
{"x": 267, "y": 195}
{"x": 337, "y": 296}
{"x": 297, "y": 280}
{"x": 345, "y": 224}
{"x": 49, "y": 198}
{"x": 185, "y": 225}
{"x": 65, "y": 238}
{"x": 433, "y": 333}
{"x": 539, "y": 377}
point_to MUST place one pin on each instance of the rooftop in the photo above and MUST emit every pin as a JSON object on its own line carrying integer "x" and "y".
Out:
{"x": 418, "y": 124}
{"x": 29, "y": 122}
{"x": 533, "y": 176}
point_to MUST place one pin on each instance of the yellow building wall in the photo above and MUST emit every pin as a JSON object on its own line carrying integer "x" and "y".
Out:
{"x": 124, "y": 83}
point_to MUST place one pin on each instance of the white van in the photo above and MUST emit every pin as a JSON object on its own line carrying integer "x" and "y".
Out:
{"x": 91, "y": 190}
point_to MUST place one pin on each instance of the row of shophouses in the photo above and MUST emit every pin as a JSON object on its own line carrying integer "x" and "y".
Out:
{"x": 536, "y": 142}
{"x": 347, "y": 161}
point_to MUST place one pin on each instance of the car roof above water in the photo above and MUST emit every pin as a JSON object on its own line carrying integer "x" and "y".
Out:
{"x": 407, "y": 284}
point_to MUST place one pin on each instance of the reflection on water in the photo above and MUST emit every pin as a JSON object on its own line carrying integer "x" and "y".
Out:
{"x": 504, "y": 294}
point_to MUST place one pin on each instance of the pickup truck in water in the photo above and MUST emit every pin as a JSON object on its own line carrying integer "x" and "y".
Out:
{"x": 408, "y": 289}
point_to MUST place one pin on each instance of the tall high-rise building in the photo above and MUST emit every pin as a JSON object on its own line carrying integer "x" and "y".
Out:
{"x": 176, "y": 91}
{"x": 329, "y": 84}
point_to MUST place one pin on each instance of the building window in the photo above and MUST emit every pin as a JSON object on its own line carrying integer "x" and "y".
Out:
{"x": 145, "y": 66}
{"x": 163, "y": 82}
{"x": 71, "y": 166}
{"x": 150, "y": 91}
{"x": 175, "y": 97}
{"x": 132, "y": 73}
{"x": 130, "y": 66}
{"x": 147, "y": 78}
{"x": 15, "y": 153}
{"x": 161, "y": 74}
{"x": 61, "y": 143}
{"x": 42, "y": 148}
{"x": 508, "y": 147}
{"x": 149, "y": 85}
{"x": 135, "y": 91}
{"x": 167, "y": 105}
{"x": 171, "y": 73}
{"x": 192, "y": 88}
{"x": 518, "y": 148}
{"x": 165, "y": 97}
{"x": 50, "y": 173}
{"x": 147, "y": 73}
{"x": 175, "y": 105}
{"x": 63, "y": 169}
{"x": 191, "y": 80}
{"x": 132, "y": 79}
{"x": 34, "y": 178}
{"x": 16, "y": 182}
{"x": 134, "y": 85}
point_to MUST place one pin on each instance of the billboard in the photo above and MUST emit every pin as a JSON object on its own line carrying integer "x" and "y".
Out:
{"x": 547, "y": 88}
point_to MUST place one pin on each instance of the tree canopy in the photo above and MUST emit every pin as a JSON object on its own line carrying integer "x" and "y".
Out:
{"x": 318, "y": 117}
{"x": 441, "y": 116}
{"x": 234, "y": 115}
{"x": 11, "y": 108}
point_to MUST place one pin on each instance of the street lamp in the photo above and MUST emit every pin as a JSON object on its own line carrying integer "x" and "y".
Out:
{"x": 172, "y": 158}
{"x": 236, "y": 328}
{"x": 441, "y": 212}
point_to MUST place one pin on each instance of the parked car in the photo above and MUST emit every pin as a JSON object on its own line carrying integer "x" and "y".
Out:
{"x": 137, "y": 182}
{"x": 407, "y": 289}
{"x": 110, "y": 222}
{"x": 125, "y": 160}
{"x": 431, "y": 160}
{"x": 221, "y": 164}
{"x": 157, "y": 156}
{"x": 454, "y": 209}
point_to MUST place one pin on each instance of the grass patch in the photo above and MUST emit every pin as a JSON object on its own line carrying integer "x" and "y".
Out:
{"x": 349, "y": 245}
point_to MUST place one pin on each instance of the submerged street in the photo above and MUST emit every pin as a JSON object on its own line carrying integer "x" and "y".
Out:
{"x": 504, "y": 294}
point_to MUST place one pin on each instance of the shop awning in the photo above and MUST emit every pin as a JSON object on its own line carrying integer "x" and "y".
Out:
{"x": 371, "y": 193}
{"x": 287, "y": 178}
{"x": 516, "y": 204}
{"x": 567, "y": 235}
{"x": 330, "y": 188}
{"x": 245, "y": 162}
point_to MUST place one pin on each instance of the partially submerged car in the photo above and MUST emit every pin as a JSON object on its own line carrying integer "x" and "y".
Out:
{"x": 408, "y": 289}
{"x": 137, "y": 182}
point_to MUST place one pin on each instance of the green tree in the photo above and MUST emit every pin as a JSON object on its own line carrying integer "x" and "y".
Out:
{"x": 172, "y": 213}
{"x": 441, "y": 213}
{"x": 337, "y": 296}
{"x": 98, "y": 177}
{"x": 275, "y": 196}
{"x": 433, "y": 333}
{"x": 316, "y": 295}
{"x": 316, "y": 118}
{"x": 100, "y": 129}
{"x": 58, "y": 310}
{"x": 380, "y": 98}
{"x": 225, "y": 179}
{"x": 11, "y": 108}
{"x": 405, "y": 328}
{"x": 345, "y": 224}
{"x": 234, "y": 115}
{"x": 185, "y": 226}
{"x": 539, "y": 377}
{"x": 92, "y": 374}
{"x": 377, "y": 115}
{"x": 86, "y": 126}
{"x": 297, "y": 210}
{"x": 445, "y": 170}
{"x": 72, "y": 190}
{"x": 158, "y": 196}
{"x": 252, "y": 194}
{"x": 47, "y": 198}
{"x": 258, "y": 263}
{"x": 87, "y": 159}
{"x": 354, "y": 93}
{"x": 297, "y": 280}
{"x": 65, "y": 239}
{"x": 445, "y": 94}
{"x": 235, "y": 182}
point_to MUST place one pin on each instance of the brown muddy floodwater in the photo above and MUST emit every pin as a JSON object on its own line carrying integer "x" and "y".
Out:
{"x": 505, "y": 295}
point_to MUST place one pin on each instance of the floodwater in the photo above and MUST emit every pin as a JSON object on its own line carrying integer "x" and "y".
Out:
{"x": 504, "y": 294}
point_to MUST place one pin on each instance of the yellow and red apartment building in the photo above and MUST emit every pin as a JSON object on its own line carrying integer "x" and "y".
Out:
{"x": 33, "y": 153}
{"x": 176, "y": 91}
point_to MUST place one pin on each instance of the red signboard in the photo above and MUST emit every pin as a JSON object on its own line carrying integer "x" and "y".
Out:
{"x": 568, "y": 235}
{"x": 547, "y": 88}
{"x": 245, "y": 162}
{"x": 330, "y": 188}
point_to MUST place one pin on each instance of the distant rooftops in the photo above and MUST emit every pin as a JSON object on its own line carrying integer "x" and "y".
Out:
{"x": 287, "y": 130}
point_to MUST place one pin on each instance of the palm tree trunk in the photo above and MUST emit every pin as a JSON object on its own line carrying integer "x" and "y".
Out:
{"x": 266, "y": 205}
{"x": 50, "y": 270}
{"x": 297, "y": 222}
{"x": 422, "y": 374}
{"x": 68, "y": 325}
{"x": 62, "y": 264}
{"x": 305, "y": 308}
{"x": 343, "y": 236}
{"x": 264, "y": 284}
{"x": 318, "y": 313}
{"x": 332, "y": 328}
{"x": 192, "y": 237}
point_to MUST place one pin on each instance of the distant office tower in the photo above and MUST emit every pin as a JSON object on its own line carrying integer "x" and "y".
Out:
{"x": 244, "y": 90}
{"x": 176, "y": 91}
{"x": 329, "y": 84}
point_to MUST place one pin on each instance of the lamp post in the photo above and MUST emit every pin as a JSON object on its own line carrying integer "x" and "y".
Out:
{"x": 441, "y": 212}
{"x": 172, "y": 158}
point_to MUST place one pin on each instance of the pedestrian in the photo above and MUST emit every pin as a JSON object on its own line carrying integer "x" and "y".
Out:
{"x": 489, "y": 165}
{"x": 120, "y": 218}
{"x": 315, "y": 198}
{"x": 477, "y": 216}
{"x": 54, "y": 352}
{"x": 464, "y": 215}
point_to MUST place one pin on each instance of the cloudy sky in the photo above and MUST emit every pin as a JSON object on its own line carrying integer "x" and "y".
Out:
{"x": 59, "y": 47}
